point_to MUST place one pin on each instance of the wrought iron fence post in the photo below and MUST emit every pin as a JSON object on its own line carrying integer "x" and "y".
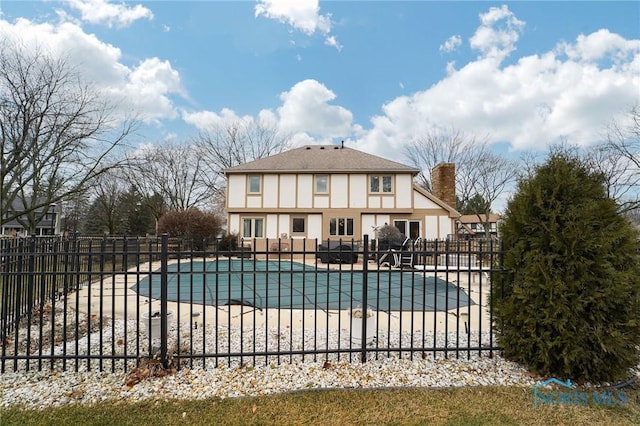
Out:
{"x": 31, "y": 275}
{"x": 164, "y": 270}
{"x": 365, "y": 305}
{"x": 75, "y": 267}
{"x": 30, "y": 288}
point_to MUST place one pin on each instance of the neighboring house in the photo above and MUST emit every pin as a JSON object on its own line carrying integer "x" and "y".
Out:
{"x": 49, "y": 225}
{"x": 473, "y": 224}
{"x": 331, "y": 192}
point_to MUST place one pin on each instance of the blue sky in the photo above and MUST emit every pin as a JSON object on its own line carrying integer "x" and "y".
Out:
{"x": 375, "y": 74}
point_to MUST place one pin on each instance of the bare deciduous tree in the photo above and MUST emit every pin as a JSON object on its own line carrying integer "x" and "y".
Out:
{"x": 174, "y": 172}
{"x": 107, "y": 189}
{"x": 618, "y": 159}
{"x": 233, "y": 143}
{"x": 74, "y": 211}
{"x": 491, "y": 175}
{"x": 435, "y": 147}
{"x": 620, "y": 174}
{"x": 56, "y": 133}
{"x": 479, "y": 171}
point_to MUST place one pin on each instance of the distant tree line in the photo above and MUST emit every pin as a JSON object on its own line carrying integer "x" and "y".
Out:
{"x": 63, "y": 144}
{"x": 484, "y": 176}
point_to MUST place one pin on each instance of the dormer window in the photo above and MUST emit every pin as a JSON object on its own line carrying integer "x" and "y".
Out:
{"x": 380, "y": 183}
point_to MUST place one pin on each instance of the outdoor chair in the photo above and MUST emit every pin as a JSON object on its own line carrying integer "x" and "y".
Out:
{"x": 398, "y": 256}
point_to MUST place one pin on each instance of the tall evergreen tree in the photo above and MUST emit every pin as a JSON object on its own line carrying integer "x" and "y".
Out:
{"x": 568, "y": 301}
{"x": 135, "y": 214}
{"x": 474, "y": 205}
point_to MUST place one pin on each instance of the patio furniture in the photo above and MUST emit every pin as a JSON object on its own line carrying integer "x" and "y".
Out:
{"x": 337, "y": 252}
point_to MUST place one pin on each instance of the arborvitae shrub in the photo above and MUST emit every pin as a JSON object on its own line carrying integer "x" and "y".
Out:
{"x": 568, "y": 302}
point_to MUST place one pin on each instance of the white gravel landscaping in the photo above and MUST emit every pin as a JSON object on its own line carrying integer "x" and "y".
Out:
{"x": 50, "y": 388}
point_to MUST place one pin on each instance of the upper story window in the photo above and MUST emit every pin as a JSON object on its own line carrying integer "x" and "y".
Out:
{"x": 321, "y": 184}
{"x": 381, "y": 183}
{"x": 255, "y": 184}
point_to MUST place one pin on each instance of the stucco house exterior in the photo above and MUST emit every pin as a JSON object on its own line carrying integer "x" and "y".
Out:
{"x": 330, "y": 192}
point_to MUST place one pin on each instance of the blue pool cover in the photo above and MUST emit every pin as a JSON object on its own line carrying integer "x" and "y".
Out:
{"x": 291, "y": 285}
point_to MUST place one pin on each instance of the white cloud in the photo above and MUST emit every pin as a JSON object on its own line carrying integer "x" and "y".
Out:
{"x": 206, "y": 120}
{"x": 110, "y": 14}
{"x": 305, "y": 115}
{"x": 570, "y": 92}
{"x": 149, "y": 87}
{"x": 498, "y": 33}
{"x": 156, "y": 76}
{"x": 306, "y": 108}
{"x": 451, "y": 44}
{"x": 529, "y": 104}
{"x": 97, "y": 61}
{"x": 145, "y": 88}
{"x": 451, "y": 67}
{"x": 333, "y": 42}
{"x": 302, "y": 15}
{"x": 598, "y": 45}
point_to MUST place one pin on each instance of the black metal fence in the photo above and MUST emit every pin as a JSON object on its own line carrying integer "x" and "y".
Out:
{"x": 108, "y": 303}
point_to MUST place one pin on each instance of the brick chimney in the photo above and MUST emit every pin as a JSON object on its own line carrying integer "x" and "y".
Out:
{"x": 443, "y": 183}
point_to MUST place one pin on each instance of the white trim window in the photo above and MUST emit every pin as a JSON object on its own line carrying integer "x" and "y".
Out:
{"x": 298, "y": 226}
{"x": 321, "y": 184}
{"x": 254, "y": 183}
{"x": 381, "y": 184}
{"x": 341, "y": 226}
{"x": 252, "y": 227}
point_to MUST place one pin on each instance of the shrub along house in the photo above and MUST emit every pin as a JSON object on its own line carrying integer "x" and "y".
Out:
{"x": 332, "y": 192}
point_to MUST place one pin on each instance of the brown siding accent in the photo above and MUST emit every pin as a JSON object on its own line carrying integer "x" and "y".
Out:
{"x": 349, "y": 203}
{"x": 380, "y": 210}
{"x": 443, "y": 180}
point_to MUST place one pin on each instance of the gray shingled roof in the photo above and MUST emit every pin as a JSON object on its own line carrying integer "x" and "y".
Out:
{"x": 322, "y": 158}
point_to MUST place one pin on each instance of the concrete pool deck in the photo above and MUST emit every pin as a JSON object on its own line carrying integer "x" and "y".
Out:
{"x": 118, "y": 301}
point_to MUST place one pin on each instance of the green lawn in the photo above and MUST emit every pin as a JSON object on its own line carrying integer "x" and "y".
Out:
{"x": 454, "y": 406}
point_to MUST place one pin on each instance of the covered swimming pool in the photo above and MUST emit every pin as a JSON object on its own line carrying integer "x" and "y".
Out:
{"x": 291, "y": 285}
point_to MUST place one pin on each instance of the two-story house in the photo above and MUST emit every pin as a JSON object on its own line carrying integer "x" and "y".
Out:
{"x": 49, "y": 223}
{"x": 474, "y": 225}
{"x": 331, "y": 192}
